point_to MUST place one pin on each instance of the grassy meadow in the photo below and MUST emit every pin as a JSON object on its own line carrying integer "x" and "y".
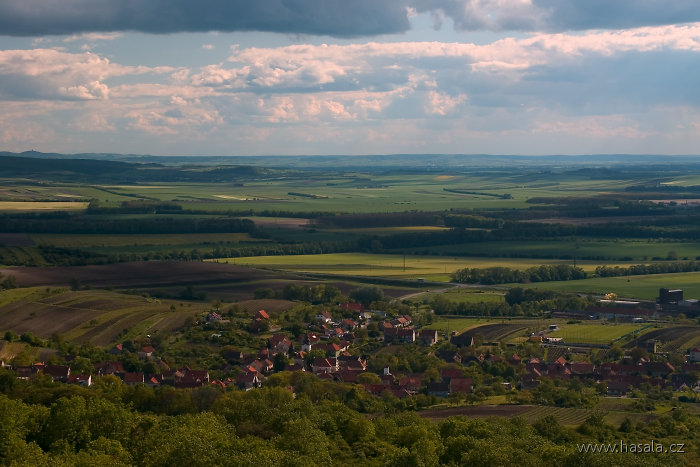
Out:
{"x": 617, "y": 249}
{"x": 331, "y": 192}
{"x": 642, "y": 287}
{"x": 599, "y": 333}
{"x": 434, "y": 268}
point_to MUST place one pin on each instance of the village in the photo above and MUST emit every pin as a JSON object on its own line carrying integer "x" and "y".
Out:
{"x": 332, "y": 348}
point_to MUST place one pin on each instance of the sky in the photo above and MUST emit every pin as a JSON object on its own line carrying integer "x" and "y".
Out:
{"x": 295, "y": 77}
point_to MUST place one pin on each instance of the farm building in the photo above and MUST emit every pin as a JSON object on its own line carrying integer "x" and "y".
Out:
{"x": 670, "y": 296}
{"x": 621, "y": 313}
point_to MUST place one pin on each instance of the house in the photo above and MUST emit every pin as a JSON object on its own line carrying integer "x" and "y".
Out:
{"x": 82, "y": 380}
{"x": 357, "y": 307}
{"x": 332, "y": 349}
{"x": 261, "y": 314}
{"x": 400, "y": 335}
{"x": 334, "y": 332}
{"x": 308, "y": 341}
{"x": 25, "y": 372}
{"x": 146, "y": 351}
{"x": 449, "y": 372}
{"x": 387, "y": 378}
{"x": 530, "y": 380}
{"x": 109, "y": 368}
{"x": 351, "y": 362}
{"x": 133, "y": 379}
{"x": 295, "y": 367}
{"x": 346, "y": 375}
{"x": 151, "y": 381}
{"x": 438, "y": 389}
{"x": 429, "y": 337}
{"x": 300, "y": 358}
{"x": 323, "y": 365}
{"x": 248, "y": 380}
{"x": 514, "y": 360}
{"x": 279, "y": 343}
{"x": 57, "y": 372}
{"x": 365, "y": 315}
{"x": 658, "y": 369}
{"x": 324, "y": 317}
{"x": 694, "y": 355}
{"x": 349, "y": 324}
{"x": 618, "y": 388}
{"x": 461, "y": 385}
{"x": 261, "y": 321}
{"x": 192, "y": 379}
{"x": 450, "y": 356}
{"x": 400, "y": 322}
{"x": 412, "y": 383}
{"x": 581, "y": 368}
{"x": 463, "y": 340}
{"x": 683, "y": 381}
{"x": 213, "y": 316}
{"x": 262, "y": 365}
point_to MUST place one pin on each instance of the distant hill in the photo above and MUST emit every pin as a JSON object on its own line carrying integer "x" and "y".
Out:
{"x": 87, "y": 167}
{"x": 228, "y": 166}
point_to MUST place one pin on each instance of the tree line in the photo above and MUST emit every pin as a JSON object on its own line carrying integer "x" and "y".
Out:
{"x": 44, "y": 424}
{"x": 503, "y": 275}
{"x": 643, "y": 269}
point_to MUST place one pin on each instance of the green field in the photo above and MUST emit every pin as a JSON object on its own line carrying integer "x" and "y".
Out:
{"x": 465, "y": 295}
{"x": 347, "y": 192}
{"x": 641, "y": 287}
{"x": 449, "y": 324}
{"x": 621, "y": 249}
{"x": 602, "y": 333}
{"x": 435, "y": 268}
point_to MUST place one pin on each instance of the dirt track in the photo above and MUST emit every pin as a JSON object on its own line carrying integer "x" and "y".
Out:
{"x": 476, "y": 411}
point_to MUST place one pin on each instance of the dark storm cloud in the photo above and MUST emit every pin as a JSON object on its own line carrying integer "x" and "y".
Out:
{"x": 341, "y": 18}
{"x": 617, "y": 14}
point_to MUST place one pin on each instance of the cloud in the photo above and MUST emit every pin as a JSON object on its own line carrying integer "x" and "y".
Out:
{"x": 93, "y": 37}
{"x": 55, "y": 74}
{"x": 558, "y": 15}
{"x": 454, "y": 67}
{"x": 533, "y": 94}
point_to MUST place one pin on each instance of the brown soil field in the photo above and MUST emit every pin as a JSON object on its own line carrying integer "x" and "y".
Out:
{"x": 496, "y": 332}
{"x": 137, "y": 274}
{"x": 15, "y": 239}
{"x": 94, "y": 316}
{"x": 672, "y": 338}
{"x": 282, "y": 223}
